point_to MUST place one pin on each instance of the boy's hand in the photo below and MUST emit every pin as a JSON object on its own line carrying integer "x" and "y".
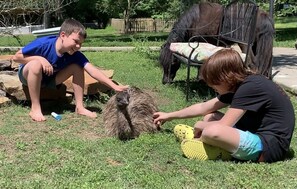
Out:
{"x": 47, "y": 68}
{"x": 120, "y": 88}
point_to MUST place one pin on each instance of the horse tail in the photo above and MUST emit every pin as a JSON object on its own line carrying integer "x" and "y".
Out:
{"x": 264, "y": 43}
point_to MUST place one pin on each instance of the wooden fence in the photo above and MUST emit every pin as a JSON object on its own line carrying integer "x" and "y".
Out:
{"x": 143, "y": 25}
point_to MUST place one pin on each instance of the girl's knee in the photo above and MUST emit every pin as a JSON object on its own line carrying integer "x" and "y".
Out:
{"x": 214, "y": 116}
{"x": 211, "y": 132}
{"x": 207, "y": 117}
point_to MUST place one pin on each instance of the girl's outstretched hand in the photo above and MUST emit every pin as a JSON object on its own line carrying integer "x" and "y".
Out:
{"x": 160, "y": 118}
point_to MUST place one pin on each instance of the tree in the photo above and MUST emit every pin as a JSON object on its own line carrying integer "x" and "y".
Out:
{"x": 87, "y": 12}
{"x": 121, "y": 8}
{"x": 285, "y": 7}
{"x": 27, "y": 12}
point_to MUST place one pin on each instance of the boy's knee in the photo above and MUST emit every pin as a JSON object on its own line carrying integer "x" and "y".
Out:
{"x": 33, "y": 66}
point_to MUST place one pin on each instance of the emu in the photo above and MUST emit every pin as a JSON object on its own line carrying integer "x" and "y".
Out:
{"x": 129, "y": 113}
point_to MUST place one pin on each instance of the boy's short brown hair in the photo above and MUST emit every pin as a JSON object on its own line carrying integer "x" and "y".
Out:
{"x": 225, "y": 66}
{"x": 71, "y": 25}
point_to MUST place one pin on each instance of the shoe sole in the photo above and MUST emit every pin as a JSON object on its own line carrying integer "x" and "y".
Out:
{"x": 195, "y": 149}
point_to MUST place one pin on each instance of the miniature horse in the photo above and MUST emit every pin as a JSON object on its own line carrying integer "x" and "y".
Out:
{"x": 204, "y": 19}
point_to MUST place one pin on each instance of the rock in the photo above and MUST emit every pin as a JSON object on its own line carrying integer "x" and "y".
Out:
{"x": 13, "y": 87}
{"x": 2, "y": 93}
{"x": 4, "y": 101}
{"x": 5, "y": 62}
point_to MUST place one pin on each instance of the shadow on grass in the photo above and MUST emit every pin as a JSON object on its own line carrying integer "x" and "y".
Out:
{"x": 286, "y": 34}
{"x": 198, "y": 89}
{"x": 60, "y": 105}
{"x": 290, "y": 154}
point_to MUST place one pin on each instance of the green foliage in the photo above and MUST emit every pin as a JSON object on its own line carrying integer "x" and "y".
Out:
{"x": 113, "y": 8}
{"x": 285, "y": 7}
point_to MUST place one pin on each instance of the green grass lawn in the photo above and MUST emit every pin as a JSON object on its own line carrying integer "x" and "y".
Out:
{"x": 286, "y": 32}
{"x": 75, "y": 152}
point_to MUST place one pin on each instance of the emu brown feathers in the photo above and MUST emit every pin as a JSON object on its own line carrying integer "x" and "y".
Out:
{"x": 129, "y": 113}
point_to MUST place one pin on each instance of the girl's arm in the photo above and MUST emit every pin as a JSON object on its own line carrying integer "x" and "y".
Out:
{"x": 195, "y": 110}
{"x": 199, "y": 109}
{"x": 232, "y": 116}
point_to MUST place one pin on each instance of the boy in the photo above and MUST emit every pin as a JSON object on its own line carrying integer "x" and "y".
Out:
{"x": 49, "y": 61}
{"x": 257, "y": 126}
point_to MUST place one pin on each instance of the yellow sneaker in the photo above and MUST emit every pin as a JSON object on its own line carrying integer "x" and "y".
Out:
{"x": 195, "y": 149}
{"x": 183, "y": 132}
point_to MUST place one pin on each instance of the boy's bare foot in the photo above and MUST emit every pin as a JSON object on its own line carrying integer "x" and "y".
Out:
{"x": 86, "y": 112}
{"x": 37, "y": 116}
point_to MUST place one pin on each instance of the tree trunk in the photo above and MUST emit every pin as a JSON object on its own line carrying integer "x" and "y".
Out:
{"x": 127, "y": 17}
{"x": 46, "y": 15}
{"x": 46, "y": 20}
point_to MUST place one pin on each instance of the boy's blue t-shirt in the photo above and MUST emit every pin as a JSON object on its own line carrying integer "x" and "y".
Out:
{"x": 45, "y": 47}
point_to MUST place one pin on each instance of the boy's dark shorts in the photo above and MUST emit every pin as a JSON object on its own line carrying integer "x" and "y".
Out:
{"x": 46, "y": 82}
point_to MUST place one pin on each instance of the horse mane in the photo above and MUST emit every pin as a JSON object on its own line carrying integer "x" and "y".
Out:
{"x": 191, "y": 22}
{"x": 179, "y": 31}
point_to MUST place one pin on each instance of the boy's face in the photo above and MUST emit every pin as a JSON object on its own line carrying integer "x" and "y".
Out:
{"x": 71, "y": 43}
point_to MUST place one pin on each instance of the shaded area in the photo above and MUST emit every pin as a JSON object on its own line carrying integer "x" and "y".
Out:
{"x": 197, "y": 89}
{"x": 286, "y": 34}
{"x": 284, "y": 60}
{"x": 59, "y": 106}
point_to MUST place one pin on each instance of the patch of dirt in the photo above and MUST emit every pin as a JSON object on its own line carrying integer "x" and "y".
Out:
{"x": 113, "y": 162}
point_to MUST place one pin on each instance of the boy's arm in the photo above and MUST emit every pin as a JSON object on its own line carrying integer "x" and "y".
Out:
{"x": 23, "y": 59}
{"x": 99, "y": 76}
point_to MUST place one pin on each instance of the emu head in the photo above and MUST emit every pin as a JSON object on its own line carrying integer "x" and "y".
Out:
{"x": 122, "y": 99}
